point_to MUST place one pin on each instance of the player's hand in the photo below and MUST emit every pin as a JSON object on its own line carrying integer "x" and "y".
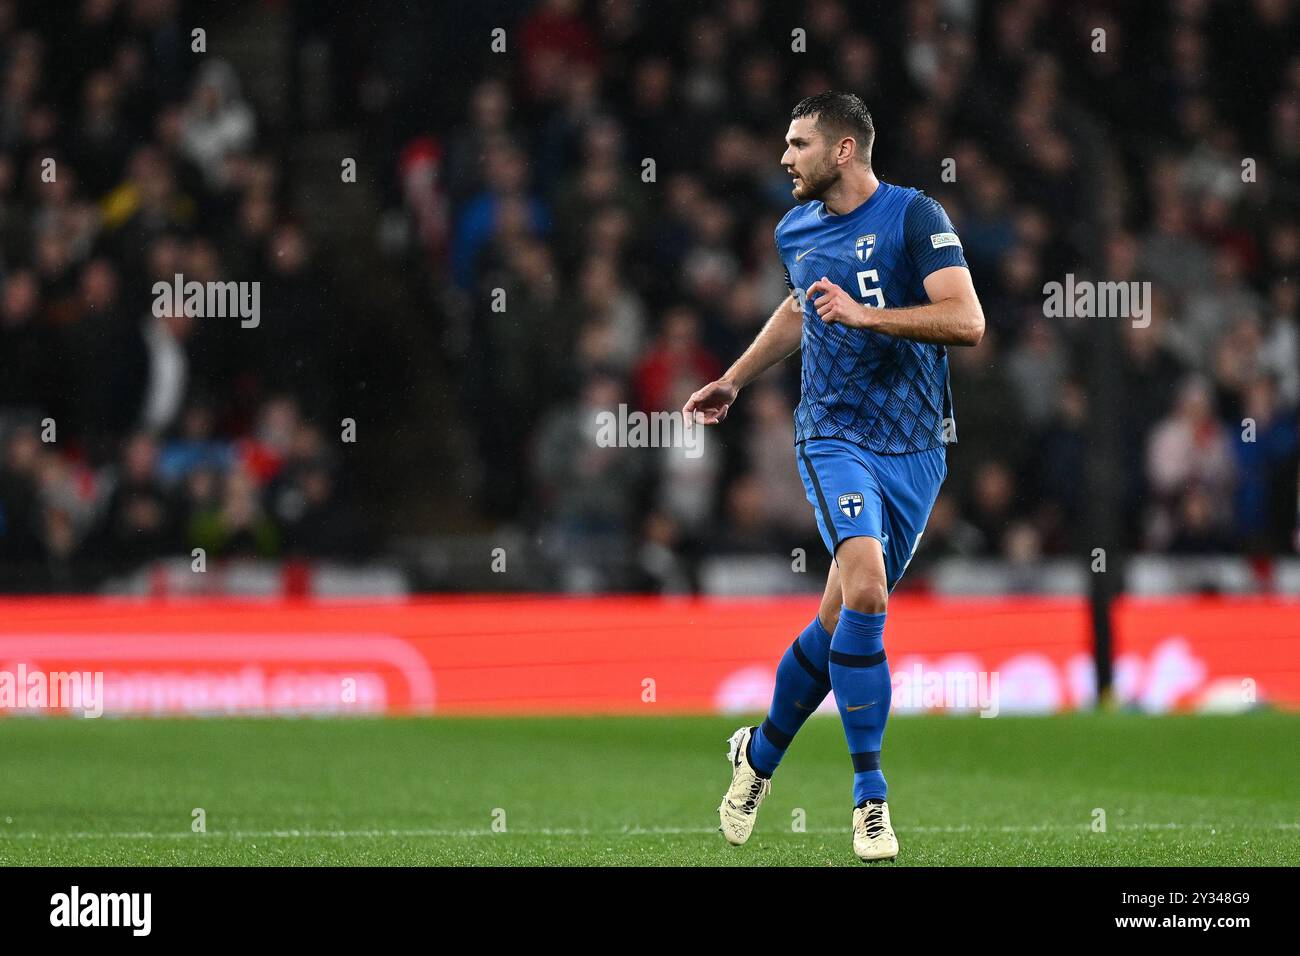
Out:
{"x": 836, "y": 306}
{"x": 709, "y": 405}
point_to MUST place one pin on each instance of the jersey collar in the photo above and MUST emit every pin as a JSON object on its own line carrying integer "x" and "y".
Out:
{"x": 825, "y": 216}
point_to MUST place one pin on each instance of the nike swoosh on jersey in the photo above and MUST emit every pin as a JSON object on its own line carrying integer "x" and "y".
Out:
{"x": 798, "y": 256}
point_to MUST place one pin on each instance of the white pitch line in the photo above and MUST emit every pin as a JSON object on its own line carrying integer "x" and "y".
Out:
{"x": 578, "y": 832}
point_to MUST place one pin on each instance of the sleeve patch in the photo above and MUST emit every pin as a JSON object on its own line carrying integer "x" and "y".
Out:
{"x": 941, "y": 239}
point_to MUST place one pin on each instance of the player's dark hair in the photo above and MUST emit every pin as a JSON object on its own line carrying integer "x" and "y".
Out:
{"x": 838, "y": 115}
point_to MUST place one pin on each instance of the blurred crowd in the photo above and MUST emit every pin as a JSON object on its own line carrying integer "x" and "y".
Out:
{"x": 1164, "y": 149}
{"x": 612, "y": 179}
{"x": 125, "y": 435}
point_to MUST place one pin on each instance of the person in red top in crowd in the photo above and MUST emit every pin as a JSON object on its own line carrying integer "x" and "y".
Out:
{"x": 677, "y": 355}
{"x": 552, "y": 38}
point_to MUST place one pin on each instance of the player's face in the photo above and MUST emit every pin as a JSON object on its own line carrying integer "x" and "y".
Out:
{"x": 808, "y": 159}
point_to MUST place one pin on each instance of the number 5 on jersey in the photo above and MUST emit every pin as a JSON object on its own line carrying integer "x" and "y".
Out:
{"x": 873, "y": 297}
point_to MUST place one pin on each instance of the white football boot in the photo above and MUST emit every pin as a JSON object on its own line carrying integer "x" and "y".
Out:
{"x": 873, "y": 837}
{"x": 748, "y": 790}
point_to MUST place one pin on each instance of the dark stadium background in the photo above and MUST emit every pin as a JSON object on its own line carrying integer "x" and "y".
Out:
{"x": 521, "y": 171}
{"x": 386, "y": 498}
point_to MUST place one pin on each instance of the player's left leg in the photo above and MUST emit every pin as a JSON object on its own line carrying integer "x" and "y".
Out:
{"x": 802, "y": 677}
{"x": 875, "y": 548}
{"x": 802, "y": 682}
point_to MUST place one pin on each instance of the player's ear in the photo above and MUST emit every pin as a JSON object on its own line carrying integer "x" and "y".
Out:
{"x": 848, "y": 146}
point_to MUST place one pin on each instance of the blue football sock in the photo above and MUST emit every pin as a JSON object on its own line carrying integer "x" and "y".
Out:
{"x": 860, "y": 676}
{"x": 802, "y": 683}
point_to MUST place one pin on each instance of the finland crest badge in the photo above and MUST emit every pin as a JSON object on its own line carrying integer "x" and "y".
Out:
{"x": 865, "y": 246}
{"x": 851, "y": 504}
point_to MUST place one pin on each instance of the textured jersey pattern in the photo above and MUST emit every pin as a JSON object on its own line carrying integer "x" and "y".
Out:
{"x": 887, "y": 394}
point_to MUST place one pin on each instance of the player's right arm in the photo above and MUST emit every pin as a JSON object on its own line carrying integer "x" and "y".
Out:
{"x": 778, "y": 339}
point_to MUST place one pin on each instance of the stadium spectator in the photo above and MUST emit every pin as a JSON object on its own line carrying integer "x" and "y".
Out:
{"x": 675, "y": 362}
{"x": 1190, "y": 450}
{"x": 216, "y": 121}
{"x": 589, "y": 491}
{"x": 767, "y": 451}
{"x": 141, "y": 516}
{"x": 536, "y": 184}
{"x": 129, "y": 434}
{"x": 1266, "y": 466}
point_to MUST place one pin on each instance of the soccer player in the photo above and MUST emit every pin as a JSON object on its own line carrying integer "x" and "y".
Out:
{"x": 879, "y": 288}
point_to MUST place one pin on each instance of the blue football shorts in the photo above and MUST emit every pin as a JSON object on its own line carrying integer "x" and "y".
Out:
{"x": 855, "y": 491}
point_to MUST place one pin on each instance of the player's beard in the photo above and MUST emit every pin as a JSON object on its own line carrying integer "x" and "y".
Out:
{"x": 815, "y": 184}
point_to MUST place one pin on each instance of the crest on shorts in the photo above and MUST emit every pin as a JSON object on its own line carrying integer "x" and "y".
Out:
{"x": 865, "y": 246}
{"x": 851, "y": 504}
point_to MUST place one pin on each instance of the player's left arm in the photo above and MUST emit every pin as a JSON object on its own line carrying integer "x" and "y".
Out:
{"x": 953, "y": 315}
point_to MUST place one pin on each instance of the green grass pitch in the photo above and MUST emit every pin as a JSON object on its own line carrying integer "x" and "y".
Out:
{"x": 642, "y": 791}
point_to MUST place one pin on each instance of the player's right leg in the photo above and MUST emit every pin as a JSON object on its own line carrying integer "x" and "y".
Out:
{"x": 870, "y": 566}
{"x": 802, "y": 683}
{"x": 846, "y": 491}
{"x": 860, "y": 676}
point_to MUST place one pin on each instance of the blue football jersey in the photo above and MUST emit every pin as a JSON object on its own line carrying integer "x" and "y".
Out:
{"x": 887, "y": 394}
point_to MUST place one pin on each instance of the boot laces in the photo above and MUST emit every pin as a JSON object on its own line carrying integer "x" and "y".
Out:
{"x": 755, "y": 791}
{"x": 873, "y": 821}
